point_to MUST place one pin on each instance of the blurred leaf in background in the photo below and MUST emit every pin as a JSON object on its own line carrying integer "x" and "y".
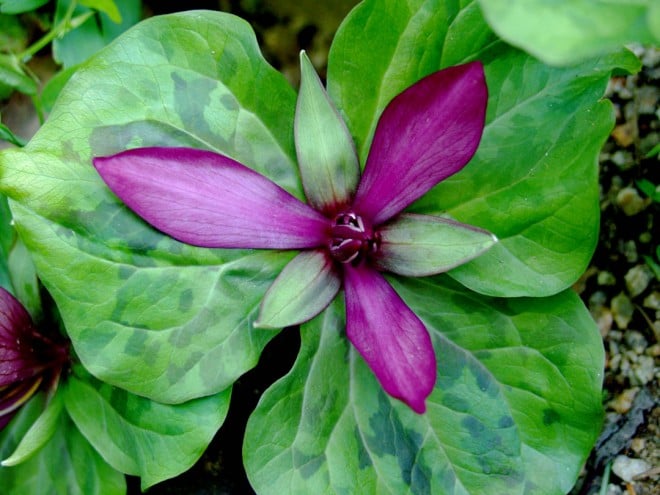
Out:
{"x": 113, "y": 18}
{"x": 564, "y": 32}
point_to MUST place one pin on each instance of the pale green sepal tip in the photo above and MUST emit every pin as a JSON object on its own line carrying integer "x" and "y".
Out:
{"x": 38, "y": 435}
{"x": 326, "y": 153}
{"x": 304, "y": 288}
{"x": 422, "y": 245}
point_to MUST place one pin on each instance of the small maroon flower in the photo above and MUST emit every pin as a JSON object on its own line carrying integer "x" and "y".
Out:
{"x": 351, "y": 231}
{"x": 29, "y": 360}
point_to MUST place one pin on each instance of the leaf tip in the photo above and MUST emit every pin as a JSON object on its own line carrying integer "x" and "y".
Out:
{"x": 264, "y": 325}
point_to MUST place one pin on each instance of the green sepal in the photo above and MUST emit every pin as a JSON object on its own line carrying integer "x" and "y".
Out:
{"x": 421, "y": 245}
{"x": 39, "y": 433}
{"x": 326, "y": 153}
{"x": 304, "y": 288}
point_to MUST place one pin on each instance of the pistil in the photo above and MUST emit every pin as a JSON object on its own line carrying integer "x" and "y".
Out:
{"x": 351, "y": 240}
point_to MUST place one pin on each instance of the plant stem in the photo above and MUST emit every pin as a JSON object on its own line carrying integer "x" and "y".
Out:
{"x": 65, "y": 25}
{"x": 606, "y": 479}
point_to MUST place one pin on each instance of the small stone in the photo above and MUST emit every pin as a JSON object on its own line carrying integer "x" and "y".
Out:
{"x": 623, "y": 134}
{"x": 622, "y": 310}
{"x": 650, "y": 56}
{"x": 613, "y": 489}
{"x": 637, "y": 444}
{"x": 627, "y": 468}
{"x": 623, "y": 159}
{"x": 603, "y": 318}
{"x": 647, "y": 100}
{"x": 597, "y": 299}
{"x": 630, "y": 251}
{"x": 630, "y": 201}
{"x": 643, "y": 370}
{"x": 603, "y": 156}
{"x": 652, "y": 301}
{"x": 638, "y": 279}
{"x": 623, "y": 402}
{"x": 635, "y": 341}
{"x": 614, "y": 363}
{"x": 606, "y": 278}
{"x": 621, "y": 87}
{"x": 630, "y": 111}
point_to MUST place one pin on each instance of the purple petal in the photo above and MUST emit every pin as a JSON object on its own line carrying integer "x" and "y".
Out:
{"x": 389, "y": 336}
{"x": 209, "y": 200}
{"x": 18, "y": 360}
{"x": 24, "y": 351}
{"x": 425, "y": 134}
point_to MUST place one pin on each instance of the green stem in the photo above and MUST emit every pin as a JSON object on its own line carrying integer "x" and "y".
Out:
{"x": 65, "y": 25}
{"x": 606, "y": 479}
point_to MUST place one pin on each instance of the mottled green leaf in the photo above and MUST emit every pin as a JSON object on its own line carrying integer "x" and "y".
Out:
{"x": 568, "y": 31}
{"x": 533, "y": 181}
{"x": 146, "y": 313}
{"x": 516, "y": 407}
{"x": 141, "y": 437}
{"x": 54, "y": 85}
{"x": 66, "y": 465}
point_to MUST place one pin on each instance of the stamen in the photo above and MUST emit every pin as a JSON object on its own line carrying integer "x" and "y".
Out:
{"x": 351, "y": 241}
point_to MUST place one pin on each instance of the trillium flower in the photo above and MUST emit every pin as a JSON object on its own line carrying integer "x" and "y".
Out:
{"x": 352, "y": 229}
{"x": 29, "y": 360}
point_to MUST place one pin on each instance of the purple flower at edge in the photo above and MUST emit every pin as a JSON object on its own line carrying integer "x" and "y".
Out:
{"x": 29, "y": 360}
{"x": 352, "y": 229}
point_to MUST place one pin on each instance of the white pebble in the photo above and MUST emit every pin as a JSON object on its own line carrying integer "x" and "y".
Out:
{"x": 627, "y": 468}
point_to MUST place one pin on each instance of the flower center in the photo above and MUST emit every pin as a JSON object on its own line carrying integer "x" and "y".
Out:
{"x": 350, "y": 240}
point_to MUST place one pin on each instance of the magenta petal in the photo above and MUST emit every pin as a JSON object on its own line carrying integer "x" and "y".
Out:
{"x": 425, "y": 134}
{"x": 21, "y": 348}
{"x": 390, "y": 337}
{"x": 206, "y": 199}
